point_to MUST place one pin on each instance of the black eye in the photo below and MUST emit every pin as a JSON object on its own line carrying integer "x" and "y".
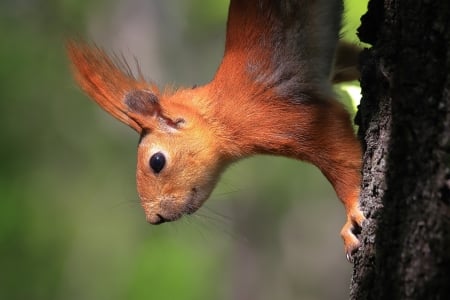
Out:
{"x": 157, "y": 162}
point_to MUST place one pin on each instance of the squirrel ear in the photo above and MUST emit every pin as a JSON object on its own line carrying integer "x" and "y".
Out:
{"x": 141, "y": 104}
{"x": 143, "y": 107}
{"x": 112, "y": 85}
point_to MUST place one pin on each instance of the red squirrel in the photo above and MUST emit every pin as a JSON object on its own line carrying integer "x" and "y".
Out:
{"x": 272, "y": 94}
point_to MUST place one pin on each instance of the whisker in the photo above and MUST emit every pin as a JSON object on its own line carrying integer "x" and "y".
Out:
{"x": 221, "y": 216}
{"x": 225, "y": 193}
{"x": 199, "y": 224}
{"x": 209, "y": 220}
{"x": 126, "y": 203}
{"x": 229, "y": 185}
{"x": 223, "y": 224}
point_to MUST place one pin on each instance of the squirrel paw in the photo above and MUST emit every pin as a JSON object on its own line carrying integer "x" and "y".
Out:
{"x": 352, "y": 227}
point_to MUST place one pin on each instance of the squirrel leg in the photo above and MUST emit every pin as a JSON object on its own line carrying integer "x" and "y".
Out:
{"x": 335, "y": 150}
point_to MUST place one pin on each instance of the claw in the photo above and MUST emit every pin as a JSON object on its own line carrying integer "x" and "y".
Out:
{"x": 350, "y": 250}
{"x": 355, "y": 220}
{"x": 349, "y": 258}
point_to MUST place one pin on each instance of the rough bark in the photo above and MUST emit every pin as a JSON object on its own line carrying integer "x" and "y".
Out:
{"x": 404, "y": 121}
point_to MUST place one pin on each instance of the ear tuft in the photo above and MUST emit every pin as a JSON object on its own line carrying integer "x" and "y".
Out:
{"x": 109, "y": 80}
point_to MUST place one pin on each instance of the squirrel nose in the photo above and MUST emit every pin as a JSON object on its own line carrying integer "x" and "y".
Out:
{"x": 156, "y": 219}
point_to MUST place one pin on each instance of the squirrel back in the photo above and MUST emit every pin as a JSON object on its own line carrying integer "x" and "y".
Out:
{"x": 270, "y": 95}
{"x": 289, "y": 45}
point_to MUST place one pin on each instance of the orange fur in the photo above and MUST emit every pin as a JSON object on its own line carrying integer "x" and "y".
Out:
{"x": 271, "y": 95}
{"x": 105, "y": 81}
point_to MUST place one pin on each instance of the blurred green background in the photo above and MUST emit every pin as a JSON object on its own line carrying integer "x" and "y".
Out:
{"x": 71, "y": 226}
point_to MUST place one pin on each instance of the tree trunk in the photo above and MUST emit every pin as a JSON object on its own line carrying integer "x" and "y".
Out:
{"x": 404, "y": 121}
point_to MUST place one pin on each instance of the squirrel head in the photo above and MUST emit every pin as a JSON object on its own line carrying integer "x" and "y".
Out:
{"x": 179, "y": 160}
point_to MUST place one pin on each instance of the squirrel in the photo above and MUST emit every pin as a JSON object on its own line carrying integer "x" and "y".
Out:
{"x": 272, "y": 94}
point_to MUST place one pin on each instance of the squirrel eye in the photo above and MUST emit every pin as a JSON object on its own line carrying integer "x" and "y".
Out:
{"x": 157, "y": 162}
